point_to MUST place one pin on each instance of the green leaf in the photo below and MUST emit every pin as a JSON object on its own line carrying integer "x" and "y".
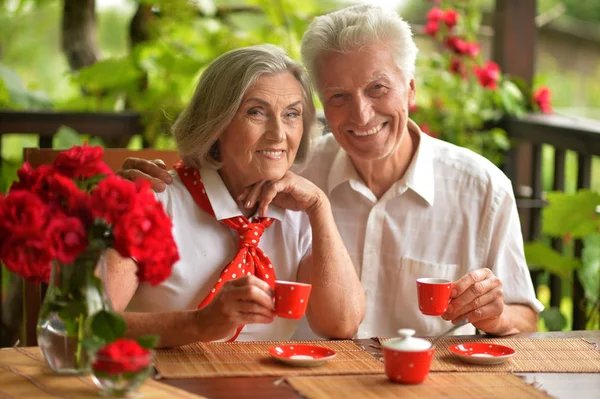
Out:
{"x": 589, "y": 273}
{"x": 108, "y": 326}
{"x": 109, "y": 74}
{"x": 147, "y": 341}
{"x": 573, "y": 214}
{"x": 66, "y": 137}
{"x": 542, "y": 257}
{"x": 93, "y": 343}
{"x": 554, "y": 319}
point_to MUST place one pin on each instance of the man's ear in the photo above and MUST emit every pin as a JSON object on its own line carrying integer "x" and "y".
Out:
{"x": 412, "y": 93}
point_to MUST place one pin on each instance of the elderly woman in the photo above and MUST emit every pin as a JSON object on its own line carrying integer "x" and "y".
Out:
{"x": 249, "y": 120}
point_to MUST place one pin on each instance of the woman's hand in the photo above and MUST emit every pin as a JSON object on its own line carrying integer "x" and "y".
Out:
{"x": 290, "y": 192}
{"x": 246, "y": 300}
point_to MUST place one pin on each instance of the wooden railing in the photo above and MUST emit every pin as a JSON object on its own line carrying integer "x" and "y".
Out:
{"x": 563, "y": 134}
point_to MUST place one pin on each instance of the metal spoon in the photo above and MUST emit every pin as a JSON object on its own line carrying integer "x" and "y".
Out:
{"x": 454, "y": 327}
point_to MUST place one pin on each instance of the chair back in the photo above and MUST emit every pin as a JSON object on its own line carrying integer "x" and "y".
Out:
{"x": 114, "y": 158}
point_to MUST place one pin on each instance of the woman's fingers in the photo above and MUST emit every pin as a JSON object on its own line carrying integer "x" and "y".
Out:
{"x": 153, "y": 171}
{"x": 254, "y": 194}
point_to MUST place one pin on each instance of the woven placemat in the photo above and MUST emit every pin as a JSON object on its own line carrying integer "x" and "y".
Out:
{"x": 28, "y": 377}
{"x": 553, "y": 355}
{"x": 446, "y": 385}
{"x": 249, "y": 359}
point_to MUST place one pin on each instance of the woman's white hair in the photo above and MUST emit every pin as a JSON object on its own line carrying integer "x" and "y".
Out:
{"x": 218, "y": 97}
{"x": 353, "y": 27}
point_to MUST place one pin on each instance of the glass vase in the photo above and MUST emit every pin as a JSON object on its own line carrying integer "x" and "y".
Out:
{"x": 75, "y": 293}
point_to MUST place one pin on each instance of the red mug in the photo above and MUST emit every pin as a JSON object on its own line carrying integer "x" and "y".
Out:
{"x": 434, "y": 295}
{"x": 407, "y": 360}
{"x": 291, "y": 299}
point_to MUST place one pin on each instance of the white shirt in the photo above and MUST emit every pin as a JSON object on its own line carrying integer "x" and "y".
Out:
{"x": 206, "y": 246}
{"x": 452, "y": 212}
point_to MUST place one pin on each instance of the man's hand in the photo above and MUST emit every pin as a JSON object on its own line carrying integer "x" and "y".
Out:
{"x": 154, "y": 171}
{"x": 246, "y": 300}
{"x": 290, "y": 192}
{"x": 478, "y": 297}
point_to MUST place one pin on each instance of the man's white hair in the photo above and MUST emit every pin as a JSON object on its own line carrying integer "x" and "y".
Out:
{"x": 356, "y": 26}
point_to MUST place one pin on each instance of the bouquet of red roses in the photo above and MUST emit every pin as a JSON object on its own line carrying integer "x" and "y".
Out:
{"x": 56, "y": 224}
{"x": 57, "y": 212}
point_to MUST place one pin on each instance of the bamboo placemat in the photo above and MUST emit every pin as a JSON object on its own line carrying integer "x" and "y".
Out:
{"x": 553, "y": 355}
{"x": 455, "y": 385}
{"x": 22, "y": 376}
{"x": 251, "y": 359}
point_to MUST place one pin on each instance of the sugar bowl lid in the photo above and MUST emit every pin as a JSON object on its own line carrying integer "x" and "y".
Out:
{"x": 406, "y": 342}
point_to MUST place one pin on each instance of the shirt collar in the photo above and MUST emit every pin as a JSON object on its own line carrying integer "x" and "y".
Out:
{"x": 419, "y": 175}
{"x": 223, "y": 203}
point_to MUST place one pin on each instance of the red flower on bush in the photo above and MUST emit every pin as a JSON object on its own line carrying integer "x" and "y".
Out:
{"x": 450, "y": 17}
{"x": 543, "y": 98}
{"x": 489, "y": 75}
{"x": 425, "y": 129}
{"x": 432, "y": 27}
{"x": 435, "y": 14}
{"x": 82, "y": 162}
{"x": 122, "y": 356}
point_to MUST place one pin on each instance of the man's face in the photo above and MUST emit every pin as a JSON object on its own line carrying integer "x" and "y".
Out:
{"x": 366, "y": 101}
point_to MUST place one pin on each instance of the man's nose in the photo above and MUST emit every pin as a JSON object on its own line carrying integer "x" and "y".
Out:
{"x": 362, "y": 111}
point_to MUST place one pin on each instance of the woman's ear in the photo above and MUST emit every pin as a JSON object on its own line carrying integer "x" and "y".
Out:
{"x": 214, "y": 151}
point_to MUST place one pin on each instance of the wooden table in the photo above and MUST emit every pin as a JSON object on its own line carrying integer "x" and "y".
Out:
{"x": 559, "y": 385}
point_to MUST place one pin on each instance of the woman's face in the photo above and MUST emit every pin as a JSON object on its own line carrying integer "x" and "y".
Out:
{"x": 262, "y": 140}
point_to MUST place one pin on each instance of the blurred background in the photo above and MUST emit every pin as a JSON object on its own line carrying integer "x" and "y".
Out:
{"x": 116, "y": 73}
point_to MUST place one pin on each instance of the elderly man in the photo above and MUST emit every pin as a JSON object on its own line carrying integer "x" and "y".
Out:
{"x": 407, "y": 205}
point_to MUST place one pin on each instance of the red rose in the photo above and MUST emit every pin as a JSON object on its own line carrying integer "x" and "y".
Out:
{"x": 28, "y": 254}
{"x": 435, "y": 14}
{"x": 489, "y": 75}
{"x": 432, "y": 27}
{"x": 472, "y": 49}
{"x": 112, "y": 198}
{"x": 22, "y": 209}
{"x": 33, "y": 180}
{"x": 459, "y": 46}
{"x": 68, "y": 238}
{"x": 450, "y": 17}
{"x": 543, "y": 99}
{"x": 145, "y": 234}
{"x": 122, "y": 356}
{"x": 82, "y": 162}
{"x": 457, "y": 66}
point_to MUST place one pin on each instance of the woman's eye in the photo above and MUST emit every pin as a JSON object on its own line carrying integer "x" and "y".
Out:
{"x": 255, "y": 111}
{"x": 293, "y": 114}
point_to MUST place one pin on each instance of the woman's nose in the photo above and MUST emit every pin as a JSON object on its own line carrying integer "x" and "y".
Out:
{"x": 275, "y": 131}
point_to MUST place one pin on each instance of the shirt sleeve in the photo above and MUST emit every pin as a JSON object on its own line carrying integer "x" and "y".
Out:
{"x": 506, "y": 257}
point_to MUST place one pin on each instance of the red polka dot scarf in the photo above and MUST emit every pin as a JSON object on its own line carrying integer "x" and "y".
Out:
{"x": 250, "y": 259}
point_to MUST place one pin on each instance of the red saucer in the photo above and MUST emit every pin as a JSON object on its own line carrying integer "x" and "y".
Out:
{"x": 302, "y": 355}
{"x": 482, "y": 353}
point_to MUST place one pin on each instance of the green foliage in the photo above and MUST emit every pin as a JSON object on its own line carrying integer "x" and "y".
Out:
{"x": 554, "y": 319}
{"x": 541, "y": 257}
{"x": 452, "y": 103}
{"x": 571, "y": 216}
{"x": 107, "y": 326}
{"x": 14, "y": 94}
{"x": 147, "y": 341}
{"x": 589, "y": 273}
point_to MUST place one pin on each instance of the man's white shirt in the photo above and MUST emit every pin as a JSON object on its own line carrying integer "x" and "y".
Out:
{"x": 452, "y": 212}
